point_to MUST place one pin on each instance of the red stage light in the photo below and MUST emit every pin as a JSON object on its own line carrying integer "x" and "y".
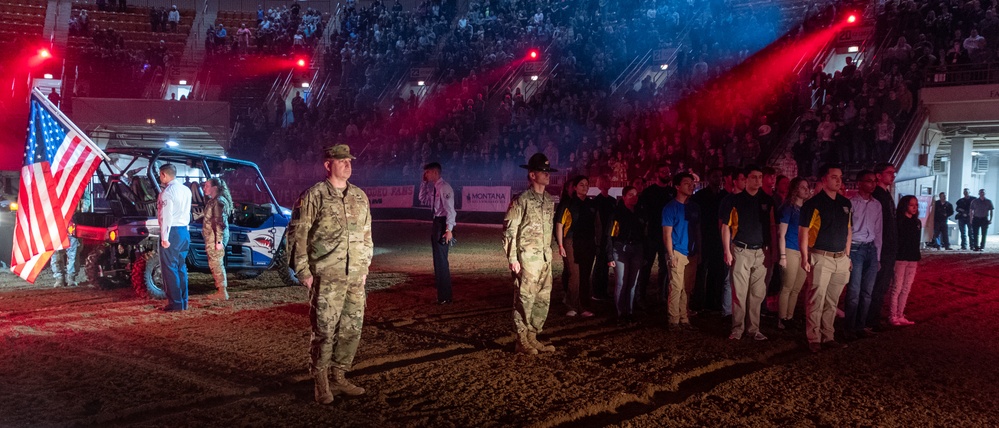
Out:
{"x": 301, "y": 63}
{"x": 533, "y": 54}
{"x": 44, "y": 53}
{"x": 851, "y": 19}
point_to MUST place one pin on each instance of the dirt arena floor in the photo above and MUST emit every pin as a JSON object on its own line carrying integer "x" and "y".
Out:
{"x": 87, "y": 356}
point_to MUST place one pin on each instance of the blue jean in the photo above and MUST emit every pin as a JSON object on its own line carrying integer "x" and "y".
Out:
{"x": 174, "y": 267}
{"x": 627, "y": 265}
{"x": 861, "y": 286}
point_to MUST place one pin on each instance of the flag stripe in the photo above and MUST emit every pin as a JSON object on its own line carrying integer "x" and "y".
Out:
{"x": 58, "y": 164}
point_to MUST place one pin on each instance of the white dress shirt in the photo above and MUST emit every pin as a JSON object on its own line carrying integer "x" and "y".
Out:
{"x": 440, "y": 197}
{"x": 174, "y": 208}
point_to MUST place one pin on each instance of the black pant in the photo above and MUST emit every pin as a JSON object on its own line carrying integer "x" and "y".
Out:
{"x": 600, "y": 276}
{"x": 442, "y": 270}
{"x": 940, "y": 235}
{"x": 881, "y": 285}
{"x": 655, "y": 251}
{"x": 979, "y": 227}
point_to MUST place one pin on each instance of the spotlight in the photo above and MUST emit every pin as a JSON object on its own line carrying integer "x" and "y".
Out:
{"x": 533, "y": 54}
{"x": 47, "y": 75}
{"x": 172, "y": 143}
{"x": 305, "y": 84}
{"x": 534, "y": 78}
{"x": 183, "y": 82}
{"x": 853, "y": 49}
{"x": 44, "y": 53}
{"x": 852, "y": 18}
{"x": 664, "y": 67}
{"x": 421, "y": 83}
{"x": 301, "y": 62}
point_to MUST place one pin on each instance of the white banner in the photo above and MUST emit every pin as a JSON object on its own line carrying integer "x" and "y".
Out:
{"x": 494, "y": 199}
{"x": 390, "y": 196}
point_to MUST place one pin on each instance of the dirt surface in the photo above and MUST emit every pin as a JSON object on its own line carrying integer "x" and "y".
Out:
{"x": 87, "y": 356}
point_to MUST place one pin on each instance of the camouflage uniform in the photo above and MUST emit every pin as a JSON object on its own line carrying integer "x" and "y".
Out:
{"x": 215, "y": 229}
{"x": 329, "y": 239}
{"x": 527, "y": 239}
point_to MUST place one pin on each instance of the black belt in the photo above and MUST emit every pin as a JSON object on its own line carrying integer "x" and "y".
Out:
{"x": 861, "y": 244}
{"x": 741, "y": 244}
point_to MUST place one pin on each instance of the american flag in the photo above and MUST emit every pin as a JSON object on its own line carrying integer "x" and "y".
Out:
{"x": 58, "y": 162}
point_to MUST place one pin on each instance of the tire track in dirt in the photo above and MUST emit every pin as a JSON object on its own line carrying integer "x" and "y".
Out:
{"x": 682, "y": 386}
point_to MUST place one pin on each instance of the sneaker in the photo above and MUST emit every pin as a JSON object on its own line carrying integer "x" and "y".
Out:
{"x": 832, "y": 344}
{"x": 815, "y": 348}
{"x": 734, "y": 336}
{"x": 586, "y": 314}
{"x": 904, "y": 322}
{"x": 571, "y": 313}
{"x": 759, "y": 337}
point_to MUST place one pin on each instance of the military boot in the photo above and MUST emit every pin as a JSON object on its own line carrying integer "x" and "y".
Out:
{"x": 323, "y": 394}
{"x": 341, "y": 384}
{"x": 532, "y": 338}
{"x": 524, "y": 345}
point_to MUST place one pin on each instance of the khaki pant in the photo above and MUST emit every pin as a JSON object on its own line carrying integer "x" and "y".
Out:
{"x": 829, "y": 278}
{"x": 533, "y": 297}
{"x": 681, "y": 283}
{"x": 792, "y": 279}
{"x": 748, "y": 289}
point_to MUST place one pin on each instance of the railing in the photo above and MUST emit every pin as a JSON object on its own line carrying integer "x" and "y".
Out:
{"x": 634, "y": 67}
{"x": 279, "y": 89}
{"x": 968, "y": 74}
{"x": 910, "y": 136}
{"x": 325, "y": 6}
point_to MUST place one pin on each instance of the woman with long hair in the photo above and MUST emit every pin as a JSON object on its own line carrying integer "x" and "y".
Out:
{"x": 910, "y": 233}
{"x": 625, "y": 249}
{"x": 215, "y": 230}
{"x": 576, "y": 231}
{"x": 793, "y": 276}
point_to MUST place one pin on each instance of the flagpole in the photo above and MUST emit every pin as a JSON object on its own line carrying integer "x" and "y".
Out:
{"x": 55, "y": 110}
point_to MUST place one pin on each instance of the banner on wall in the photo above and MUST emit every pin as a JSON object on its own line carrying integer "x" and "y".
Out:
{"x": 390, "y": 196}
{"x": 494, "y": 199}
{"x": 925, "y": 203}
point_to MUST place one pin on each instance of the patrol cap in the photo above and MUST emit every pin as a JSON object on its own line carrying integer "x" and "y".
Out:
{"x": 339, "y": 151}
{"x": 539, "y": 162}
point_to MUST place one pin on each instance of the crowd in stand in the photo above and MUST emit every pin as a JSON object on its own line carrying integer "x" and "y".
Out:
{"x": 278, "y": 31}
{"x": 107, "y": 68}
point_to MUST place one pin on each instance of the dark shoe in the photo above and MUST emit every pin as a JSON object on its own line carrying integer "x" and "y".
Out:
{"x": 867, "y": 333}
{"x": 169, "y": 308}
{"x": 814, "y": 348}
{"x": 832, "y": 344}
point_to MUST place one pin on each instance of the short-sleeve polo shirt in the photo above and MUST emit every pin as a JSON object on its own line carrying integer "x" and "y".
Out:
{"x": 828, "y": 221}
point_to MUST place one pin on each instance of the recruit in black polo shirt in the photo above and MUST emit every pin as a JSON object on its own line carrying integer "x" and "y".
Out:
{"x": 748, "y": 216}
{"x": 828, "y": 221}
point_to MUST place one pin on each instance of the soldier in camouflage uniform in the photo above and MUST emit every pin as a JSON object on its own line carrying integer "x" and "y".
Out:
{"x": 215, "y": 229}
{"x": 63, "y": 262}
{"x": 330, "y": 249}
{"x": 527, "y": 240}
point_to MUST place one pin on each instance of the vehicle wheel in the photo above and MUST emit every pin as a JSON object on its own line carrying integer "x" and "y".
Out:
{"x": 147, "y": 277}
{"x": 248, "y": 274}
{"x": 281, "y": 265}
{"x": 94, "y": 265}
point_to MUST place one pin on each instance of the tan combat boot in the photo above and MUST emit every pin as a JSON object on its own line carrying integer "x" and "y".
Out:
{"x": 532, "y": 338}
{"x": 524, "y": 345}
{"x": 323, "y": 394}
{"x": 341, "y": 384}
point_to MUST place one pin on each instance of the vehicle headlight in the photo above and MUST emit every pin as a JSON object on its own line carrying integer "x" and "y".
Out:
{"x": 13, "y": 206}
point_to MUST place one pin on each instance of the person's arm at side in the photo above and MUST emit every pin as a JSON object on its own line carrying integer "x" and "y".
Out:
{"x": 781, "y": 245}
{"x": 726, "y": 233}
{"x": 166, "y": 214}
{"x": 559, "y": 231}
{"x": 803, "y": 246}
{"x": 302, "y": 218}
{"x": 878, "y": 236}
{"x": 451, "y": 214}
{"x": 511, "y": 233}
{"x": 368, "y": 251}
{"x": 668, "y": 240}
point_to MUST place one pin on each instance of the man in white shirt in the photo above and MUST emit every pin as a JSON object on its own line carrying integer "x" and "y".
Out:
{"x": 174, "y": 208}
{"x": 865, "y": 255}
{"x": 439, "y": 195}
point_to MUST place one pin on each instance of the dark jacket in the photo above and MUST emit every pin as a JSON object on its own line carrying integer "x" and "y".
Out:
{"x": 627, "y": 230}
